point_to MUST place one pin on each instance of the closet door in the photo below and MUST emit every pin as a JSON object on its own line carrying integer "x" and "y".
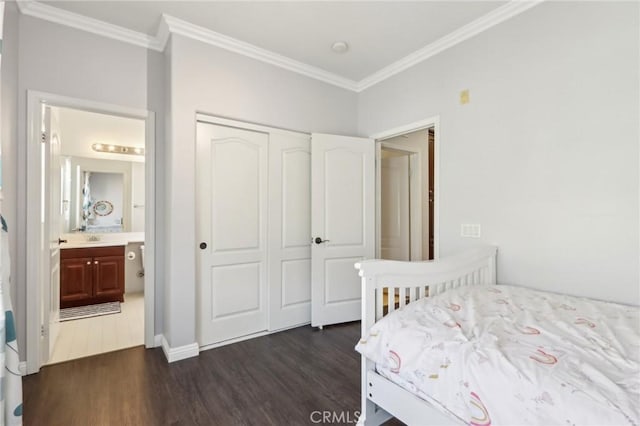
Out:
{"x": 343, "y": 227}
{"x": 232, "y": 226}
{"x": 289, "y": 230}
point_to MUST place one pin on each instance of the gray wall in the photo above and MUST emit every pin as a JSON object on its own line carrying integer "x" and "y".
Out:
{"x": 132, "y": 282}
{"x": 545, "y": 156}
{"x": 156, "y": 89}
{"x": 208, "y": 79}
{"x": 64, "y": 61}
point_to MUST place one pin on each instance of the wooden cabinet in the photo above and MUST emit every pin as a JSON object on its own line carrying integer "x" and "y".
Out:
{"x": 91, "y": 275}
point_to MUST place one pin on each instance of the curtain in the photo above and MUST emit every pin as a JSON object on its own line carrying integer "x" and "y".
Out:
{"x": 10, "y": 376}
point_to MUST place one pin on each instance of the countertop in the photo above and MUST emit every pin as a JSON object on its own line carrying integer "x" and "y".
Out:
{"x": 80, "y": 240}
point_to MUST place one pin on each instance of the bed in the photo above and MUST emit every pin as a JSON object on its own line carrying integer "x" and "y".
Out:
{"x": 452, "y": 347}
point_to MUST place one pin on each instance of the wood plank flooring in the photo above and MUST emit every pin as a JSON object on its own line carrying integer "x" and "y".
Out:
{"x": 279, "y": 379}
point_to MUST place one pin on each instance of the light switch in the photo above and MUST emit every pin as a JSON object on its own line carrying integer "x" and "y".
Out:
{"x": 470, "y": 230}
{"x": 464, "y": 97}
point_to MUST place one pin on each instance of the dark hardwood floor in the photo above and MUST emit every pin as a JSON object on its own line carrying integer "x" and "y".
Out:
{"x": 280, "y": 379}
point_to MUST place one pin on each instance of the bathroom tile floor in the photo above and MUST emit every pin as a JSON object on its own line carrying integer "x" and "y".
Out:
{"x": 106, "y": 333}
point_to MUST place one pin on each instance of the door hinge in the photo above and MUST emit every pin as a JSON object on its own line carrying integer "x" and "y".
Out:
{"x": 42, "y": 331}
{"x": 43, "y": 137}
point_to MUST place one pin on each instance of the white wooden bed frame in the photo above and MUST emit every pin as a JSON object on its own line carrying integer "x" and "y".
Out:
{"x": 381, "y": 398}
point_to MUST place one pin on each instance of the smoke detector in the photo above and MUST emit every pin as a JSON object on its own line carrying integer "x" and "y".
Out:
{"x": 340, "y": 46}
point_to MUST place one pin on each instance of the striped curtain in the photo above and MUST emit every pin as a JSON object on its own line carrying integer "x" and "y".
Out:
{"x": 87, "y": 202}
{"x": 10, "y": 376}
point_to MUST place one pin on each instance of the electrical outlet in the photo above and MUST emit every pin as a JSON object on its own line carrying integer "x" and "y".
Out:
{"x": 470, "y": 230}
{"x": 464, "y": 97}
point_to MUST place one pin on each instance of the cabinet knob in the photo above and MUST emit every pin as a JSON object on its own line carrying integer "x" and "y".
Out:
{"x": 89, "y": 262}
{"x": 95, "y": 262}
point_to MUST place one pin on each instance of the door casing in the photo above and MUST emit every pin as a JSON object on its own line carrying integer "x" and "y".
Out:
{"x": 37, "y": 268}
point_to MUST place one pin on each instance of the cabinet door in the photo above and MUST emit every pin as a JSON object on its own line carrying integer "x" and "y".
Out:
{"x": 108, "y": 277}
{"x": 76, "y": 281}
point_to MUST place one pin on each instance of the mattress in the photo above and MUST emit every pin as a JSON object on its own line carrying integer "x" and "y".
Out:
{"x": 507, "y": 355}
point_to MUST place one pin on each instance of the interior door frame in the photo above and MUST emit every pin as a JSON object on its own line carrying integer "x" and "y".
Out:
{"x": 37, "y": 275}
{"x": 380, "y": 137}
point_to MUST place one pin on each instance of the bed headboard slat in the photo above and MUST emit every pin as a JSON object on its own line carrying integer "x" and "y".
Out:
{"x": 379, "y": 302}
{"x": 390, "y": 285}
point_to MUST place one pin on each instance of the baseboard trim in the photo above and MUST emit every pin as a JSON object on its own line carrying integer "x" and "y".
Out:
{"x": 179, "y": 353}
{"x": 157, "y": 340}
{"x": 22, "y": 368}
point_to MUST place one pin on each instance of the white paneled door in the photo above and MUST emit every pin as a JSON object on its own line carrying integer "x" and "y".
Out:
{"x": 282, "y": 218}
{"x": 343, "y": 224}
{"x": 289, "y": 230}
{"x": 395, "y": 220}
{"x": 232, "y": 209}
{"x": 52, "y": 229}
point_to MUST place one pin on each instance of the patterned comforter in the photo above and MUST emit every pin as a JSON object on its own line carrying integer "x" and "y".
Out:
{"x": 506, "y": 355}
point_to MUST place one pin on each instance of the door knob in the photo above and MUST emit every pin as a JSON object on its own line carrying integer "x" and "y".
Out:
{"x": 319, "y": 240}
{"x": 60, "y": 241}
{"x": 203, "y": 246}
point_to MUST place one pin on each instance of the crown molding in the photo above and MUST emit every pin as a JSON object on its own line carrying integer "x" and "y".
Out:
{"x": 41, "y": 10}
{"x": 171, "y": 25}
{"x": 162, "y": 35}
{"x": 491, "y": 19}
{"x": 186, "y": 29}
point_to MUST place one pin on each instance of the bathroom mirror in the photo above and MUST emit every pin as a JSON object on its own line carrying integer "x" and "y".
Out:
{"x": 100, "y": 196}
{"x": 102, "y": 204}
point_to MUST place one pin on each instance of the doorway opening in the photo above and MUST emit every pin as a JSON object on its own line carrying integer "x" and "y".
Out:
{"x": 407, "y": 190}
{"x": 97, "y": 210}
{"x": 91, "y": 233}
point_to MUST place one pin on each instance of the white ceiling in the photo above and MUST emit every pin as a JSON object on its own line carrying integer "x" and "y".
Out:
{"x": 378, "y": 33}
{"x": 78, "y": 130}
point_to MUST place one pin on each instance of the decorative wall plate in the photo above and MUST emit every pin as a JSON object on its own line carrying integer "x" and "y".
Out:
{"x": 103, "y": 208}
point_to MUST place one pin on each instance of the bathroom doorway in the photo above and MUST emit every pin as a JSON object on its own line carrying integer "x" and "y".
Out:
{"x": 101, "y": 206}
{"x": 93, "y": 273}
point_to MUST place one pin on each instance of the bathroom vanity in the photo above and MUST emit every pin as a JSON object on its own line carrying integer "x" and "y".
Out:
{"x": 90, "y": 275}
